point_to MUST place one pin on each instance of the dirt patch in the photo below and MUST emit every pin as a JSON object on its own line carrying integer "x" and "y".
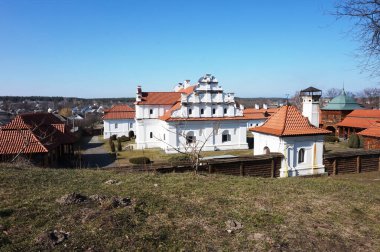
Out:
{"x": 52, "y": 238}
{"x": 115, "y": 202}
{"x": 72, "y": 198}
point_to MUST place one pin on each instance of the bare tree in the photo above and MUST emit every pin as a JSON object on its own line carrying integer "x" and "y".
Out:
{"x": 191, "y": 146}
{"x": 369, "y": 97}
{"x": 332, "y": 92}
{"x": 366, "y": 17}
{"x": 296, "y": 100}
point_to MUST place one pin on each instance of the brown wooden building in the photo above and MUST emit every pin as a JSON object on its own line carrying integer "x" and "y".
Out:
{"x": 357, "y": 121}
{"x": 40, "y": 137}
{"x": 336, "y": 111}
{"x": 371, "y": 137}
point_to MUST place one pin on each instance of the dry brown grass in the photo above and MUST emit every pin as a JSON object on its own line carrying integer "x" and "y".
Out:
{"x": 188, "y": 212}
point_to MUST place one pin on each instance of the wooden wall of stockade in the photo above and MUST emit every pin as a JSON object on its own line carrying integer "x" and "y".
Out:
{"x": 267, "y": 166}
{"x": 352, "y": 162}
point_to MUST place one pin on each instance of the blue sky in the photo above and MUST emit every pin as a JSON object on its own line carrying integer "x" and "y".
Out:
{"x": 106, "y": 48}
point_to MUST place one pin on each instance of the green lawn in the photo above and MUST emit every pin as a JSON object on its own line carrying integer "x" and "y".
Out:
{"x": 158, "y": 155}
{"x": 189, "y": 212}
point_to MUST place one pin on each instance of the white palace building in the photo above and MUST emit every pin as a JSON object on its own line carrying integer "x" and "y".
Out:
{"x": 200, "y": 114}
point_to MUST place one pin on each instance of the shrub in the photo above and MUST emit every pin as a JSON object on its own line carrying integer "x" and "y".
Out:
{"x": 331, "y": 139}
{"x": 354, "y": 141}
{"x": 139, "y": 160}
{"x": 119, "y": 147}
{"x": 131, "y": 134}
{"x": 113, "y": 137}
{"x": 179, "y": 159}
{"x": 124, "y": 138}
{"x": 112, "y": 145}
{"x": 361, "y": 142}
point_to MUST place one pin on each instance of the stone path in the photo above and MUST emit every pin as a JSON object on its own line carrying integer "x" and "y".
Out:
{"x": 95, "y": 155}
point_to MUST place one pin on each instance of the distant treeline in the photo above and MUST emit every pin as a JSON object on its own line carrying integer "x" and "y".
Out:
{"x": 61, "y": 98}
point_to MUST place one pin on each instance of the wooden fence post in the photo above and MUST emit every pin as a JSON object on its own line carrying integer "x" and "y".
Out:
{"x": 241, "y": 169}
{"x": 272, "y": 173}
{"x": 334, "y": 166}
{"x": 358, "y": 168}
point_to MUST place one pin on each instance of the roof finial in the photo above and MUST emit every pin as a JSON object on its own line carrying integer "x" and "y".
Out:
{"x": 343, "y": 91}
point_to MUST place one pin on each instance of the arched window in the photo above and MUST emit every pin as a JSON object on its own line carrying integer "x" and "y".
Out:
{"x": 226, "y": 137}
{"x": 190, "y": 138}
{"x": 301, "y": 155}
{"x": 266, "y": 150}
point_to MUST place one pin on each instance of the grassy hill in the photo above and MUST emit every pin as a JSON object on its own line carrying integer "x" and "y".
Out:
{"x": 186, "y": 211}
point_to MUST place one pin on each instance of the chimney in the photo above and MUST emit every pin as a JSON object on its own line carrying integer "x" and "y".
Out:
{"x": 178, "y": 87}
{"x": 265, "y": 106}
{"x": 257, "y": 106}
{"x": 138, "y": 94}
{"x": 187, "y": 83}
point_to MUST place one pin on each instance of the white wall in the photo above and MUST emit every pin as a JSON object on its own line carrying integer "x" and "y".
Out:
{"x": 310, "y": 109}
{"x": 123, "y": 127}
{"x": 204, "y": 131}
{"x": 289, "y": 147}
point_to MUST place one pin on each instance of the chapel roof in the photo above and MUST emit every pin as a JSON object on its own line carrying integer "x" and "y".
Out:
{"x": 342, "y": 102}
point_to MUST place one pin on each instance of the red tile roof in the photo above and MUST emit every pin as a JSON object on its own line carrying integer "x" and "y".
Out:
{"x": 163, "y": 98}
{"x": 373, "y": 131}
{"x": 32, "y": 120}
{"x": 360, "y": 119}
{"x": 16, "y": 141}
{"x": 159, "y": 98}
{"x": 288, "y": 121}
{"x": 121, "y": 108}
{"x": 119, "y": 112}
{"x": 34, "y": 133}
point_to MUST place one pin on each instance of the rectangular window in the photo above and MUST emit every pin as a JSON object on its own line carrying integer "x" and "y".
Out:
{"x": 116, "y": 125}
{"x": 151, "y": 135}
{"x": 151, "y": 111}
{"x": 190, "y": 111}
{"x": 213, "y": 111}
{"x": 130, "y": 125}
{"x": 225, "y": 111}
{"x": 202, "y": 111}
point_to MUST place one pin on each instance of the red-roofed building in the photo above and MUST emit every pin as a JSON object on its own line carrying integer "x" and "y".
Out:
{"x": 290, "y": 133}
{"x": 357, "y": 121}
{"x": 371, "y": 136}
{"x": 40, "y": 137}
{"x": 119, "y": 120}
{"x": 193, "y": 114}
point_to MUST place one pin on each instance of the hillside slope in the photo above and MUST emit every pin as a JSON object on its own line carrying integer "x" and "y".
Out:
{"x": 186, "y": 211}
